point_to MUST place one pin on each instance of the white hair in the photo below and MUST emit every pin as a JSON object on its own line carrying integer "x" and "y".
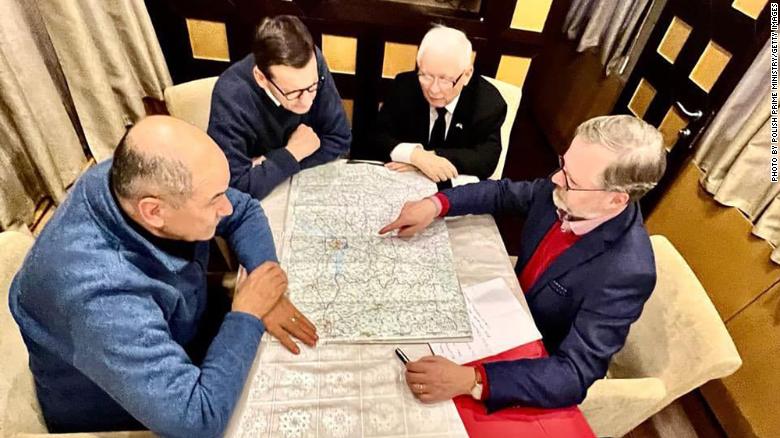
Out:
{"x": 448, "y": 40}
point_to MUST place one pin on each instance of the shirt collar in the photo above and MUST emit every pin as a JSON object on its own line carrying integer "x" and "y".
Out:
{"x": 584, "y": 226}
{"x": 271, "y": 96}
{"x": 450, "y": 106}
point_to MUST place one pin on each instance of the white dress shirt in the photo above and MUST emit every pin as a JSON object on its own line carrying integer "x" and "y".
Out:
{"x": 402, "y": 153}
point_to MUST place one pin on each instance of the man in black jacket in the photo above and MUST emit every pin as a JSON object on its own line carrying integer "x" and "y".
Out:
{"x": 440, "y": 119}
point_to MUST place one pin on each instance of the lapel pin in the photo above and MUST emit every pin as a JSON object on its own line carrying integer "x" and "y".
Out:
{"x": 459, "y": 125}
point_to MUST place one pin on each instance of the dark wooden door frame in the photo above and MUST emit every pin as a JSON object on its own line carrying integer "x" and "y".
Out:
{"x": 739, "y": 34}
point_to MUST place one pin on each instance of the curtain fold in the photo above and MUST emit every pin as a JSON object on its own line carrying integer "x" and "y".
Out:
{"x": 610, "y": 25}
{"x": 111, "y": 58}
{"x": 72, "y": 75}
{"x": 734, "y": 154}
{"x": 41, "y": 153}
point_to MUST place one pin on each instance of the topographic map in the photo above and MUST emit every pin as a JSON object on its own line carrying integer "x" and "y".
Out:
{"x": 358, "y": 286}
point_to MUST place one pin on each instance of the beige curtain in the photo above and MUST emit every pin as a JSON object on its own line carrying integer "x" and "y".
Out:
{"x": 609, "y": 25}
{"x": 111, "y": 58}
{"x": 734, "y": 154}
{"x": 72, "y": 75}
{"x": 40, "y": 153}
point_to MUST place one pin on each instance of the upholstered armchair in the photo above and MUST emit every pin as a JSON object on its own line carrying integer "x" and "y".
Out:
{"x": 511, "y": 94}
{"x": 191, "y": 101}
{"x": 20, "y": 414}
{"x": 678, "y": 344}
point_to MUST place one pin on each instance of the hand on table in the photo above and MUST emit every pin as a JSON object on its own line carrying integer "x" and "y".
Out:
{"x": 433, "y": 379}
{"x": 400, "y": 167}
{"x": 414, "y": 216}
{"x": 259, "y": 292}
{"x": 284, "y": 321}
{"x": 433, "y": 166}
{"x": 303, "y": 142}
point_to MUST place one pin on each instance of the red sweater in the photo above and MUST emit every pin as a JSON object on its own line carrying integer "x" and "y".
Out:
{"x": 554, "y": 243}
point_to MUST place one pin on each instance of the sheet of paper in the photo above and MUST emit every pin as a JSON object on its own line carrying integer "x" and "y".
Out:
{"x": 498, "y": 323}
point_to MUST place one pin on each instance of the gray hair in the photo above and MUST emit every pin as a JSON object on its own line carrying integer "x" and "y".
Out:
{"x": 641, "y": 156}
{"x": 441, "y": 36}
{"x": 135, "y": 174}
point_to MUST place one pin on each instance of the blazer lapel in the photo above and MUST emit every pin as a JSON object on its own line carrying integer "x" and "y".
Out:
{"x": 463, "y": 109}
{"x": 585, "y": 249}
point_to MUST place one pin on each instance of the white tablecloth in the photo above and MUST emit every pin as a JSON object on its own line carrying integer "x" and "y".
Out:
{"x": 357, "y": 390}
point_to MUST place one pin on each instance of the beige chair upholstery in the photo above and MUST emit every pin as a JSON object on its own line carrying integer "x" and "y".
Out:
{"x": 191, "y": 101}
{"x": 678, "y": 344}
{"x": 20, "y": 414}
{"x": 19, "y": 410}
{"x": 511, "y": 94}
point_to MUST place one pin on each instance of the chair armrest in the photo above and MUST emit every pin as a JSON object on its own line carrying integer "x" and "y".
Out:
{"x": 615, "y": 406}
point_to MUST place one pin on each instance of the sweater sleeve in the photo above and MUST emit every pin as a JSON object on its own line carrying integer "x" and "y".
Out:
{"x": 247, "y": 231}
{"x": 124, "y": 345}
{"x": 491, "y": 197}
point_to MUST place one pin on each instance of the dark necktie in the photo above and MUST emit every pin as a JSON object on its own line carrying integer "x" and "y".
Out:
{"x": 439, "y": 128}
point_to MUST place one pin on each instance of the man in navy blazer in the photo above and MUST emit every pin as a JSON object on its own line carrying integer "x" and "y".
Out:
{"x": 586, "y": 265}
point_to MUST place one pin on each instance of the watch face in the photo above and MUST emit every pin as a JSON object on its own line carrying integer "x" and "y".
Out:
{"x": 476, "y": 391}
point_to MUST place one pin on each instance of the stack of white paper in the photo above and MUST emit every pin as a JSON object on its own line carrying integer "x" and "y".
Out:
{"x": 498, "y": 323}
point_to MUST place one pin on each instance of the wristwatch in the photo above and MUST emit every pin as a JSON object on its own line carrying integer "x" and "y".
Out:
{"x": 476, "y": 390}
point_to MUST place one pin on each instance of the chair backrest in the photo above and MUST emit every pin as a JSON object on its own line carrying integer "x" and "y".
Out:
{"x": 680, "y": 337}
{"x": 511, "y": 94}
{"x": 191, "y": 101}
{"x": 19, "y": 409}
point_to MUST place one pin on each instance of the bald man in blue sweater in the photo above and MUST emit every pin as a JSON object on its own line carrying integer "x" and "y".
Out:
{"x": 112, "y": 304}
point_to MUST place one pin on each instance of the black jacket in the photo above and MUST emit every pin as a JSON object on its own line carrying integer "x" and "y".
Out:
{"x": 473, "y": 142}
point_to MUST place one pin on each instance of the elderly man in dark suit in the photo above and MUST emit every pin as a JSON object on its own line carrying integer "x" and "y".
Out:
{"x": 586, "y": 265}
{"x": 441, "y": 119}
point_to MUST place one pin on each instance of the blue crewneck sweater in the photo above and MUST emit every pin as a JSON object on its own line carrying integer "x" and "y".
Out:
{"x": 246, "y": 124}
{"x": 105, "y": 312}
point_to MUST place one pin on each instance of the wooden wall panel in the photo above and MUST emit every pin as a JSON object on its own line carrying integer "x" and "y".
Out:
{"x": 732, "y": 264}
{"x": 745, "y": 403}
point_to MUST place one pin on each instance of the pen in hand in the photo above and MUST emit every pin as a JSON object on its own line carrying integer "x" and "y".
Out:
{"x": 401, "y": 356}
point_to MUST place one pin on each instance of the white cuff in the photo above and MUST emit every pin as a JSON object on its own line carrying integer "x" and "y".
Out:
{"x": 461, "y": 180}
{"x": 402, "y": 153}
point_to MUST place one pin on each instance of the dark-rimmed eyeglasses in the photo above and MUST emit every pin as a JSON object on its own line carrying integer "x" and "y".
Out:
{"x": 444, "y": 83}
{"x": 566, "y": 185}
{"x": 296, "y": 94}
